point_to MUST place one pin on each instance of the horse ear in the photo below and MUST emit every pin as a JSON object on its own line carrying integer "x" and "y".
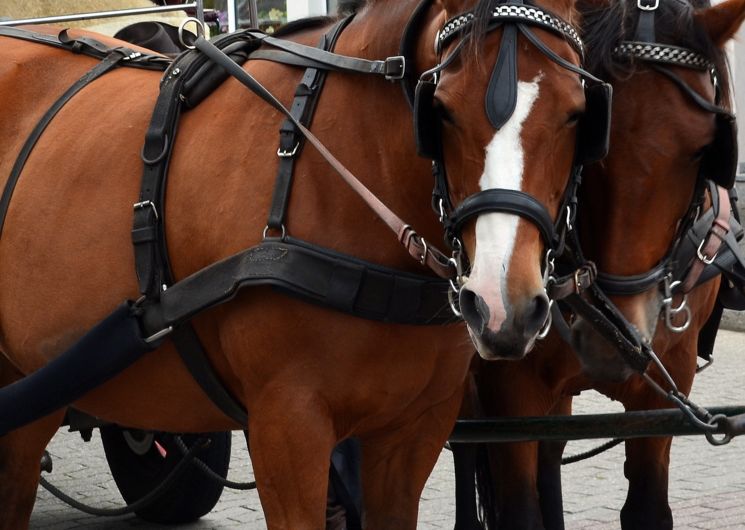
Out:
{"x": 721, "y": 21}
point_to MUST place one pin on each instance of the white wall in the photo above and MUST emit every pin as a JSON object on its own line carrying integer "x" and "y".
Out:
{"x": 305, "y": 8}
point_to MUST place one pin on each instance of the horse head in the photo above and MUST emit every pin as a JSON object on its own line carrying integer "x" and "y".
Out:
{"x": 508, "y": 110}
{"x": 671, "y": 131}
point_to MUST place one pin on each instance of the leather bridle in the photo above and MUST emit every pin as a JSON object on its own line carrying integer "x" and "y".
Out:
{"x": 676, "y": 273}
{"x": 514, "y": 17}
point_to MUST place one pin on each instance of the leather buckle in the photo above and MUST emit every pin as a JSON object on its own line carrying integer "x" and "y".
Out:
{"x": 283, "y": 153}
{"x": 583, "y": 278}
{"x": 395, "y": 68}
{"x": 706, "y": 260}
{"x": 651, "y": 6}
{"x": 146, "y": 204}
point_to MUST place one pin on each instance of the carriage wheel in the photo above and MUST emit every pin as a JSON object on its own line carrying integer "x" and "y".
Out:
{"x": 138, "y": 467}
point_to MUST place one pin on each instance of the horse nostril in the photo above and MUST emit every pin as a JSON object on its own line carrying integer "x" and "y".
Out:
{"x": 474, "y": 310}
{"x": 534, "y": 315}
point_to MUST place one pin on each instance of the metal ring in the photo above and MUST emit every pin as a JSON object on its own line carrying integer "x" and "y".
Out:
{"x": 669, "y": 319}
{"x": 452, "y": 293}
{"x": 182, "y": 27}
{"x": 423, "y": 259}
{"x": 267, "y": 228}
{"x": 711, "y": 436}
{"x": 547, "y": 324}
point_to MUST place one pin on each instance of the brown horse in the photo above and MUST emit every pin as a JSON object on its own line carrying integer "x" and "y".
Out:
{"x": 631, "y": 207}
{"x": 308, "y": 376}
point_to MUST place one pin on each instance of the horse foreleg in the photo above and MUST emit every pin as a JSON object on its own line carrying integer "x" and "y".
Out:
{"x": 549, "y": 475}
{"x": 291, "y": 436}
{"x": 20, "y": 461}
{"x": 646, "y": 468}
{"x": 648, "y": 459}
{"x": 466, "y": 508}
{"x": 396, "y": 465}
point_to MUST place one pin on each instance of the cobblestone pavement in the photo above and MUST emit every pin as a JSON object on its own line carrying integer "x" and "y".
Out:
{"x": 707, "y": 484}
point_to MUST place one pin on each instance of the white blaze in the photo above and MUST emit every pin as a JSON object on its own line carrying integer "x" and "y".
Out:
{"x": 495, "y": 232}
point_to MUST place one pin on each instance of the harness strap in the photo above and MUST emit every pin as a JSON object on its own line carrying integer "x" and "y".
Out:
{"x": 715, "y": 238}
{"x": 148, "y": 232}
{"x": 291, "y": 142}
{"x": 607, "y": 320}
{"x": 393, "y": 68}
{"x": 112, "y": 60}
{"x": 417, "y": 248}
{"x": 195, "y": 359}
{"x": 88, "y": 46}
{"x": 310, "y": 273}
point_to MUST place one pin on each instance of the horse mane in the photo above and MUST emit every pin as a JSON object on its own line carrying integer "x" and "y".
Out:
{"x": 347, "y": 7}
{"x": 302, "y": 24}
{"x": 605, "y": 25}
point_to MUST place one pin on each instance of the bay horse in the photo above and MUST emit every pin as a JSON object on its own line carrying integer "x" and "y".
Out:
{"x": 308, "y": 376}
{"x": 632, "y": 206}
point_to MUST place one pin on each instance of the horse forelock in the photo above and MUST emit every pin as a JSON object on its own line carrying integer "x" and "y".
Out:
{"x": 564, "y": 9}
{"x": 606, "y": 24}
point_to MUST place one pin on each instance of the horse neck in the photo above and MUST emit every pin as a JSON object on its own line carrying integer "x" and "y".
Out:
{"x": 378, "y": 112}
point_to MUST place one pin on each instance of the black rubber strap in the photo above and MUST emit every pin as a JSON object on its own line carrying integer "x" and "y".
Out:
{"x": 110, "y": 62}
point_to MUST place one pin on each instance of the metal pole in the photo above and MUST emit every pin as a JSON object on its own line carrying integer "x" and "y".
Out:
{"x": 232, "y": 25}
{"x": 102, "y": 14}
{"x": 200, "y": 10}
{"x": 637, "y": 424}
{"x": 253, "y": 13}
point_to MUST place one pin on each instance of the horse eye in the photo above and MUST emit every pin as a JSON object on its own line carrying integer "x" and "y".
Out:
{"x": 443, "y": 112}
{"x": 698, "y": 155}
{"x": 574, "y": 118}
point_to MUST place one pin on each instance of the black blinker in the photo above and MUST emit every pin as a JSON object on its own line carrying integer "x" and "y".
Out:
{"x": 426, "y": 121}
{"x": 720, "y": 161}
{"x": 593, "y": 135}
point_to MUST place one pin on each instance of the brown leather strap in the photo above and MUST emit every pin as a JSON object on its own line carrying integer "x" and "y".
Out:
{"x": 575, "y": 283}
{"x": 415, "y": 245}
{"x": 710, "y": 245}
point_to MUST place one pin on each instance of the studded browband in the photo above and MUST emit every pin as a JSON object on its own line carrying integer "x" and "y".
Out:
{"x": 515, "y": 13}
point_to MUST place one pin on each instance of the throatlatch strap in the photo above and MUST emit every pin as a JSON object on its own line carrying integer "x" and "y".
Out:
{"x": 111, "y": 61}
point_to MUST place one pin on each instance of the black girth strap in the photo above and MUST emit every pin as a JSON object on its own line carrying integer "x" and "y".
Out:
{"x": 291, "y": 142}
{"x": 313, "y": 274}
